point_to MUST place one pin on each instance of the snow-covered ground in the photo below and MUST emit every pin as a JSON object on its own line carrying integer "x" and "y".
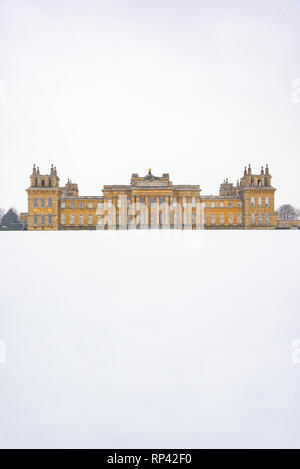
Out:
{"x": 139, "y": 339}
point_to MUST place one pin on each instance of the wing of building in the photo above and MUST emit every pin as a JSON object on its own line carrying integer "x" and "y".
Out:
{"x": 151, "y": 202}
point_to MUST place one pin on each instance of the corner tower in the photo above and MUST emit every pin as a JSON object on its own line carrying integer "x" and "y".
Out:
{"x": 257, "y": 193}
{"x": 43, "y": 200}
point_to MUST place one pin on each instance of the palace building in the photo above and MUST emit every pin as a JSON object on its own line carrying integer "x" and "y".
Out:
{"x": 150, "y": 202}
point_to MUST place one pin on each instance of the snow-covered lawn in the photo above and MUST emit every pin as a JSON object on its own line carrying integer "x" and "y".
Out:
{"x": 150, "y": 339}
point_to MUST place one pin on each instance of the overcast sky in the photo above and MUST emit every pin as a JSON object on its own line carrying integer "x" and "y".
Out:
{"x": 106, "y": 88}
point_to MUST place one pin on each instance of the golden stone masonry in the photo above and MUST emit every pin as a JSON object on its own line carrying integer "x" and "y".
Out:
{"x": 151, "y": 202}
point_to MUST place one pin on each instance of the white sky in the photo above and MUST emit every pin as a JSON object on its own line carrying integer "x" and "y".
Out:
{"x": 194, "y": 88}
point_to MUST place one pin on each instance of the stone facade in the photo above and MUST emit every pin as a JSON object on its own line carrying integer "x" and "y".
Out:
{"x": 151, "y": 202}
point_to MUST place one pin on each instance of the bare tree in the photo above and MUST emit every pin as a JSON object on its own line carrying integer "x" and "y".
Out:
{"x": 287, "y": 212}
{"x": 2, "y": 212}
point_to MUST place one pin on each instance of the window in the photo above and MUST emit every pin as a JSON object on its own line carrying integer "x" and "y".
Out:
{"x": 175, "y": 219}
{"x": 230, "y": 219}
{"x": 35, "y": 204}
{"x": 42, "y": 202}
{"x": 49, "y": 219}
{"x": 260, "y": 218}
{"x": 204, "y": 204}
{"x": 175, "y": 203}
{"x": 63, "y": 219}
{"x": 152, "y": 201}
{"x": 90, "y": 205}
{"x": 267, "y": 219}
{"x": 72, "y": 219}
{"x": 212, "y": 218}
{"x": 142, "y": 218}
{"x": 230, "y": 204}
{"x": 99, "y": 205}
{"x": 267, "y": 202}
{"x": 80, "y": 219}
{"x": 193, "y": 219}
{"x": 259, "y": 182}
{"x": 221, "y": 204}
{"x": 43, "y": 182}
{"x": 204, "y": 218}
{"x": 221, "y": 218}
{"x": 193, "y": 202}
{"x": 80, "y": 204}
{"x": 109, "y": 203}
{"x": 239, "y": 218}
{"x": 91, "y": 219}
{"x": 50, "y": 202}
{"x": 213, "y": 204}
{"x": 99, "y": 220}
{"x": 252, "y": 218}
{"x": 72, "y": 205}
{"x": 184, "y": 202}
{"x": 259, "y": 201}
{"x": 252, "y": 202}
{"x": 63, "y": 205}
{"x": 42, "y": 219}
{"x": 119, "y": 203}
{"x": 35, "y": 219}
{"x": 239, "y": 204}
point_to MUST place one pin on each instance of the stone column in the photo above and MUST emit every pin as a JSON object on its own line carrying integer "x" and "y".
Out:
{"x": 188, "y": 226}
{"x": 123, "y": 212}
{"x": 114, "y": 213}
{"x": 171, "y": 212}
{"x": 179, "y": 213}
{"x": 199, "y": 217}
{"x": 105, "y": 217}
{"x": 132, "y": 212}
{"x": 166, "y": 213}
{"x": 137, "y": 211}
{"x": 157, "y": 208}
{"x": 146, "y": 211}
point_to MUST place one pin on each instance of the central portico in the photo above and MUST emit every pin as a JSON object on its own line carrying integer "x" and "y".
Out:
{"x": 150, "y": 202}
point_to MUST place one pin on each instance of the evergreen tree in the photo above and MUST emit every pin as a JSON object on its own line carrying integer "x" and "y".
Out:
{"x": 11, "y": 221}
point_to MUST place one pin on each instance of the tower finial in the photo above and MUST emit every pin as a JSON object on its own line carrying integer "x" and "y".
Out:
{"x": 249, "y": 169}
{"x": 245, "y": 171}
